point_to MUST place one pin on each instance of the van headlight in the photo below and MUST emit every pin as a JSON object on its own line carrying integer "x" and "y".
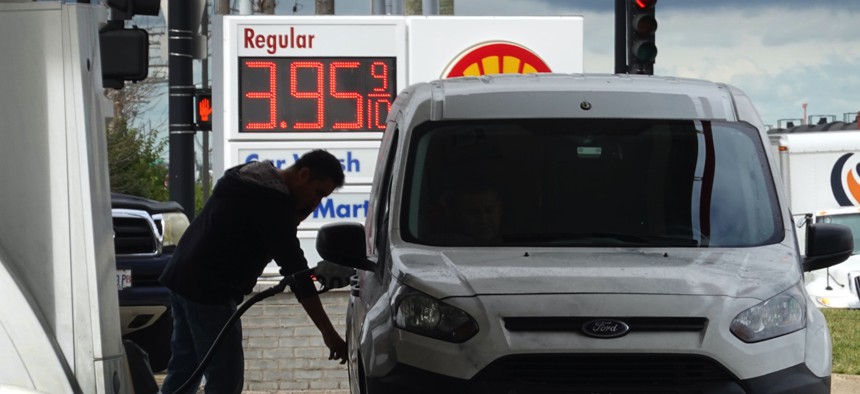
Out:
{"x": 424, "y": 315}
{"x": 175, "y": 224}
{"x": 782, "y": 314}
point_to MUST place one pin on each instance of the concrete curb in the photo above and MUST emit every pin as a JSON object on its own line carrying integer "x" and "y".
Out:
{"x": 845, "y": 384}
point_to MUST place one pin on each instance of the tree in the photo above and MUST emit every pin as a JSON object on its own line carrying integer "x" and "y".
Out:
{"x": 134, "y": 161}
{"x": 135, "y": 152}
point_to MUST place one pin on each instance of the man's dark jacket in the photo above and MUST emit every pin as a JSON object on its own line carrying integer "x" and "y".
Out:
{"x": 242, "y": 227}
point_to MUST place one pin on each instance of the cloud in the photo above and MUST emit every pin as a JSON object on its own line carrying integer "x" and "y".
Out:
{"x": 779, "y": 67}
{"x": 781, "y": 53}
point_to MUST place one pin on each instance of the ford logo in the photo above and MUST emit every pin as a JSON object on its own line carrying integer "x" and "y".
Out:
{"x": 605, "y": 328}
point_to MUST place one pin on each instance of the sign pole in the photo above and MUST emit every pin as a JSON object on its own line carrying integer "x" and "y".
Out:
{"x": 204, "y": 74}
{"x": 181, "y": 88}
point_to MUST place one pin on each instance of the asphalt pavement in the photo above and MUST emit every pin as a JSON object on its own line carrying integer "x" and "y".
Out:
{"x": 840, "y": 384}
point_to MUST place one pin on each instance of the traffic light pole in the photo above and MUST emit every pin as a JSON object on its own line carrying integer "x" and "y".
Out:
{"x": 181, "y": 88}
{"x": 620, "y": 36}
{"x": 204, "y": 76}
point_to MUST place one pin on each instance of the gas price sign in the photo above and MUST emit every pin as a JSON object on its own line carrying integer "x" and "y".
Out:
{"x": 291, "y": 78}
{"x": 315, "y": 94}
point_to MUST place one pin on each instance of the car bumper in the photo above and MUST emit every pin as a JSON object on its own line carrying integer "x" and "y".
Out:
{"x": 141, "y": 307}
{"x": 142, "y": 304}
{"x": 403, "y": 378}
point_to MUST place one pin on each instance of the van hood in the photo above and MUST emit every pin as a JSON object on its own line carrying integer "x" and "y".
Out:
{"x": 758, "y": 272}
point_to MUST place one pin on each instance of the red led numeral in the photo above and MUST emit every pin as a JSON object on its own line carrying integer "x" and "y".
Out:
{"x": 316, "y": 95}
{"x": 359, "y": 101}
{"x": 271, "y": 95}
{"x": 377, "y": 121}
{"x": 379, "y": 70}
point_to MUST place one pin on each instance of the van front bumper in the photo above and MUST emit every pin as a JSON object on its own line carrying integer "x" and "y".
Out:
{"x": 794, "y": 380}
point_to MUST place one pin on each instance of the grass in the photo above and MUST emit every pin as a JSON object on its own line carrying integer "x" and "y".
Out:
{"x": 844, "y": 327}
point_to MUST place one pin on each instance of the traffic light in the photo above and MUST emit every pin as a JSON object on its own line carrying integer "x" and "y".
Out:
{"x": 124, "y": 55}
{"x": 125, "y": 51}
{"x": 125, "y": 9}
{"x": 641, "y": 49}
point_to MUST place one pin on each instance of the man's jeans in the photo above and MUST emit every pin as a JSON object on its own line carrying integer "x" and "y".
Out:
{"x": 195, "y": 327}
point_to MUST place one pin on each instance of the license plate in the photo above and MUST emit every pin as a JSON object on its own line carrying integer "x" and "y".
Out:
{"x": 123, "y": 279}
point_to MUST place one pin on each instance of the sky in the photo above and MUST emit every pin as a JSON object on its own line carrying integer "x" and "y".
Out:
{"x": 782, "y": 53}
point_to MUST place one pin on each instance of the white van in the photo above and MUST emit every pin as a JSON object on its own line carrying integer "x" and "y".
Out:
{"x": 580, "y": 234}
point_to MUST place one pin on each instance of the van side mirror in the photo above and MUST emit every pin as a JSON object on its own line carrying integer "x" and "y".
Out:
{"x": 827, "y": 245}
{"x": 344, "y": 244}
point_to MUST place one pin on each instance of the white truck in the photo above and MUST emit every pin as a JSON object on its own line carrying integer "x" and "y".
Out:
{"x": 820, "y": 168}
{"x": 59, "y": 318}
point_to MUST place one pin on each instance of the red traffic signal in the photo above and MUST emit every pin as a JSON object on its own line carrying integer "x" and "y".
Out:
{"x": 645, "y": 3}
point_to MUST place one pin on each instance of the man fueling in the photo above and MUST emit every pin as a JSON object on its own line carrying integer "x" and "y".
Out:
{"x": 250, "y": 219}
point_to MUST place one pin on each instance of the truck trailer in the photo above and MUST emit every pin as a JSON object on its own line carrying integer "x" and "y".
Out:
{"x": 820, "y": 169}
{"x": 59, "y": 319}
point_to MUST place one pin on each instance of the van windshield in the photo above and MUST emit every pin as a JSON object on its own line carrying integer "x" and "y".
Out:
{"x": 589, "y": 183}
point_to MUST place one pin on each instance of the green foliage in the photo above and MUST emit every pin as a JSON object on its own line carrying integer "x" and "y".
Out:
{"x": 844, "y": 327}
{"x": 134, "y": 161}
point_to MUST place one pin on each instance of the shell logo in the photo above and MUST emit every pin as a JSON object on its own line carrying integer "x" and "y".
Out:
{"x": 495, "y": 58}
{"x": 844, "y": 184}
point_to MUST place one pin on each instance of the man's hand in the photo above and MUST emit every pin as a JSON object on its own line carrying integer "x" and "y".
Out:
{"x": 337, "y": 347}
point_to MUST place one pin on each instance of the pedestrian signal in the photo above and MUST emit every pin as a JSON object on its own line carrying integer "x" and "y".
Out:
{"x": 203, "y": 109}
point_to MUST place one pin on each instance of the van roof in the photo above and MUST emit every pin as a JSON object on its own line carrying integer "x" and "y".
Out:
{"x": 576, "y": 96}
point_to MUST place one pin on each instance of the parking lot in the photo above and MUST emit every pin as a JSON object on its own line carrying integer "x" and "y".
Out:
{"x": 841, "y": 384}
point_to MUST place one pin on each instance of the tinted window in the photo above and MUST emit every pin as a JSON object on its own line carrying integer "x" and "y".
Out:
{"x": 589, "y": 183}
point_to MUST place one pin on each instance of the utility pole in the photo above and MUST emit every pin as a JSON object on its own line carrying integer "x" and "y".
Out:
{"x": 181, "y": 88}
{"x": 324, "y": 7}
{"x": 430, "y": 7}
{"x": 377, "y": 7}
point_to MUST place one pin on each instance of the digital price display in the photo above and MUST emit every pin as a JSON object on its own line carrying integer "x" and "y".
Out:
{"x": 314, "y": 94}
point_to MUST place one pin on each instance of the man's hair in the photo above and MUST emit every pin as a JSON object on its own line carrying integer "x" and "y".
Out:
{"x": 323, "y": 165}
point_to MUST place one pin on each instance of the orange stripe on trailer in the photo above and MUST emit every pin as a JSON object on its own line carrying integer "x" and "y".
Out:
{"x": 853, "y": 186}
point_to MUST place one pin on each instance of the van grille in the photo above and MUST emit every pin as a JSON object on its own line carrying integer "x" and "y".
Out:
{"x": 133, "y": 236}
{"x": 607, "y": 373}
{"x": 575, "y": 323}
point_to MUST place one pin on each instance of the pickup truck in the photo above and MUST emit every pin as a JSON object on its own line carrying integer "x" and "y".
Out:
{"x": 145, "y": 234}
